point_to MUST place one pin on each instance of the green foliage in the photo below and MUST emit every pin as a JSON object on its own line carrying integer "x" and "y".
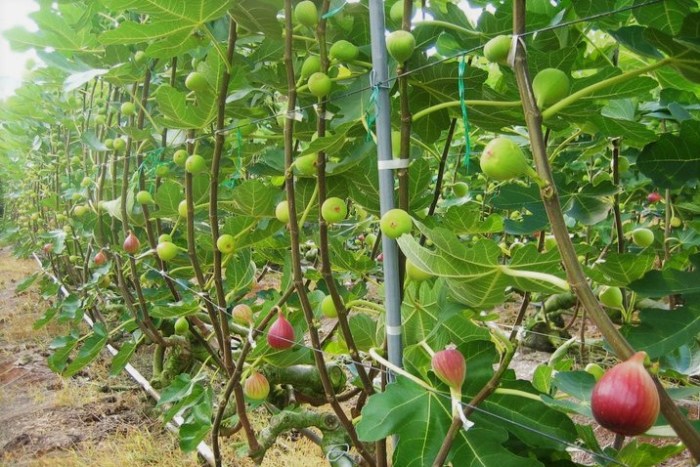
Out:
{"x": 633, "y": 102}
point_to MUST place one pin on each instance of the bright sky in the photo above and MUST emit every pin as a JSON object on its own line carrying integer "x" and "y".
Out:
{"x": 13, "y": 13}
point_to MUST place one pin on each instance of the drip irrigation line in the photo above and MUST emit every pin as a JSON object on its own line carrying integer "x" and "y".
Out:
{"x": 202, "y": 448}
{"x": 458, "y": 55}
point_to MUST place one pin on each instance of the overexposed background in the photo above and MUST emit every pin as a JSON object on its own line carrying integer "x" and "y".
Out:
{"x": 12, "y": 64}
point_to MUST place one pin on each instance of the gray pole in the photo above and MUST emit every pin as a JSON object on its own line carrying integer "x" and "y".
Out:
{"x": 380, "y": 76}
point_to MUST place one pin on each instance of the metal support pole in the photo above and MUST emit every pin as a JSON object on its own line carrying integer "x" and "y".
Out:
{"x": 380, "y": 76}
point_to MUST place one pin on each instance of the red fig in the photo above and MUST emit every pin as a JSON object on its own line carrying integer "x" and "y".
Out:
{"x": 131, "y": 243}
{"x": 450, "y": 367}
{"x": 281, "y": 334}
{"x": 256, "y": 387}
{"x": 625, "y": 400}
{"x": 654, "y": 197}
{"x": 47, "y": 248}
{"x": 100, "y": 258}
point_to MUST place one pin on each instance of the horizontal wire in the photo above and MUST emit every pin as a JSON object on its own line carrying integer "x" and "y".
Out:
{"x": 460, "y": 54}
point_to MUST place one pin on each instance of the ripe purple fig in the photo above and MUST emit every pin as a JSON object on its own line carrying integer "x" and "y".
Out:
{"x": 449, "y": 365}
{"x": 625, "y": 400}
{"x": 100, "y": 258}
{"x": 256, "y": 387}
{"x": 131, "y": 243}
{"x": 281, "y": 333}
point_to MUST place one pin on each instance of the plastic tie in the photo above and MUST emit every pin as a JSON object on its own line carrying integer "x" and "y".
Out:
{"x": 334, "y": 11}
{"x": 393, "y": 164}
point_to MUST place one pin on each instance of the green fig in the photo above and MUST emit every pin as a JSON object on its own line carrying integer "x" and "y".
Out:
{"x": 497, "y": 49}
{"x": 502, "y": 160}
{"x": 550, "y": 86}
{"x": 400, "y": 45}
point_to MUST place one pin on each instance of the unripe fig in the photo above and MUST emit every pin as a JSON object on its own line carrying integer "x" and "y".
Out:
{"x": 654, "y": 197}
{"x": 139, "y": 56}
{"x": 328, "y": 307}
{"x": 610, "y": 297}
{"x": 595, "y": 370}
{"x": 395, "y": 223}
{"x": 625, "y": 400}
{"x": 334, "y": 210}
{"x": 144, "y": 197}
{"x": 226, "y": 244}
{"x": 242, "y": 314}
{"x": 131, "y": 243}
{"x": 319, "y": 84}
{"x": 450, "y": 367}
{"x": 369, "y": 240}
{"x": 311, "y": 65}
{"x": 460, "y": 189}
{"x": 162, "y": 170}
{"x": 180, "y": 157}
{"x": 502, "y": 160}
{"x": 281, "y": 333}
{"x": 400, "y": 45}
{"x": 344, "y": 51}
{"x": 118, "y": 144}
{"x": 396, "y": 12}
{"x": 80, "y": 210}
{"x": 256, "y": 387}
{"x": 550, "y": 86}
{"x": 642, "y": 237}
{"x": 100, "y": 258}
{"x": 496, "y": 50}
{"x": 306, "y": 13}
{"x": 195, "y": 164}
{"x": 196, "y": 82}
{"x": 306, "y": 165}
{"x": 86, "y": 182}
{"x": 676, "y": 222}
{"x": 128, "y": 109}
{"x": 165, "y": 238}
{"x": 166, "y": 250}
{"x": 182, "y": 209}
{"x": 416, "y": 274}
{"x": 181, "y": 326}
{"x": 282, "y": 212}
